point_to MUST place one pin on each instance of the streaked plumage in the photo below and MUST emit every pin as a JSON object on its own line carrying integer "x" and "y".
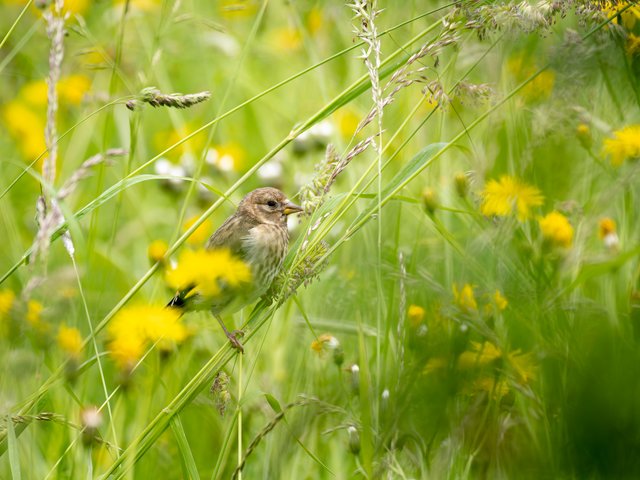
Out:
{"x": 257, "y": 233}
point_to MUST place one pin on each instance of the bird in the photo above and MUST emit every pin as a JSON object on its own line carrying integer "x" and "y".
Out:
{"x": 257, "y": 234}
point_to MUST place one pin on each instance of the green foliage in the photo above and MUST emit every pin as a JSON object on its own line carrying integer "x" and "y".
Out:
{"x": 461, "y": 298}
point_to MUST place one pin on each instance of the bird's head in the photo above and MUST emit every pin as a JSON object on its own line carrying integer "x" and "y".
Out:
{"x": 268, "y": 205}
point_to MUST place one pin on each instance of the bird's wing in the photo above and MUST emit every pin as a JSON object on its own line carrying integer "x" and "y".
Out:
{"x": 231, "y": 235}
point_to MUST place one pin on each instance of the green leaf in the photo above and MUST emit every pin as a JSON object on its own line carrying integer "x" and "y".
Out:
{"x": 14, "y": 456}
{"x": 273, "y": 402}
{"x": 188, "y": 462}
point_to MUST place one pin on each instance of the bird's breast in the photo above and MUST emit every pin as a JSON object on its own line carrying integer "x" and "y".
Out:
{"x": 265, "y": 248}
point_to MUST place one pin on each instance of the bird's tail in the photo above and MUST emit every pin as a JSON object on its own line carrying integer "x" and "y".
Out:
{"x": 177, "y": 301}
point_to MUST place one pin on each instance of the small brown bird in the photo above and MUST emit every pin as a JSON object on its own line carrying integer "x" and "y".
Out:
{"x": 257, "y": 234}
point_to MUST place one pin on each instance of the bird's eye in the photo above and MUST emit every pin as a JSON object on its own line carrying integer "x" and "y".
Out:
{"x": 272, "y": 203}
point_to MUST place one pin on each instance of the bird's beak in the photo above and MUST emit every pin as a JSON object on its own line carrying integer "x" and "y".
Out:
{"x": 290, "y": 208}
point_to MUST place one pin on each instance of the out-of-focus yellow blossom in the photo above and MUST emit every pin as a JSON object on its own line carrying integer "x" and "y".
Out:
{"x": 201, "y": 233}
{"x": 485, "y": 354}
{"x": 315, "y": 20}
{"x": 127, "y": 350}
{"x": 134, "y": 327}
{"x": 76, "y": 6}
{"x": 496, "y": 388}
{"x": 628, "y": 18}
{"x": 26, "y": 127}
{"x": 480, "y": 355}
{"x": 583, "y": 132}
{"x": 538, "y": 88}
{"x": 68, "y": 292}
{"x": 34, "y": 316}
{"x": 415, "y": 314}
{"x": 347, "y": 121}
{"x": 632, "y": 46}
{"x": 500, "y": 300}
{"x": 430, "y": 200}
{"x": 157, "y": 250}
{"x": 205, "y": 269}
{"x": 324, "y": 342}
{"x": 328, "y": 343}
{"x": 556, "y": 229}
{"x": 286, "y": 39}
{"x": 228, "y": 157}
{"x": 624, "y": 145}
{"x": 70, "y": 341}
{"x": 166, "y": 139}
{"x": 73, "y": 88}
{"x": 144, "y": 5}
{"x": 508, "y": 196}
{"x": 465, "y": 298}
{"x": 607, "y": 233}
{"x": 35, "y": 93}
{"x": 523, "y": 365}
{"x": 7, "y": 297}
{"x": 165, "y": 328}
{"x": 606, "y": 226}
{"x": 435, "y": 364}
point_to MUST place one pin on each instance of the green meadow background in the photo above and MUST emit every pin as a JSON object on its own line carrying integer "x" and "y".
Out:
{"x": 462, "y": 302}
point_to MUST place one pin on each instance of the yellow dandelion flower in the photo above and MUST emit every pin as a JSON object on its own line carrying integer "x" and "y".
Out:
{"x": 134, "y": 327}
{"x": 157, "y": 250}
{"x": 465, "y": 298}
{"x": 127, "y": 350}
{"x": 7, "y": 297}
{"x": 625, "y": 144}
{"x": 556, "y": 229}
{"x": 480, "y": 355}
{"x": 628, "y": 18}
{"x": 164, "y": 326}
{"x": 205, "y": 270}
{"x": 73, "y": 88}
{"x": 415, "y": 314}
{"x": 130, "y": 322}
{"x": 201, "y": 233}
{"x": 69, "y": 340}
{"x": 508, "y": 196}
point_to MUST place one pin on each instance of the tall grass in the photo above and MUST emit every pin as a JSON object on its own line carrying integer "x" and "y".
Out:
{"x": 460, "y": 299}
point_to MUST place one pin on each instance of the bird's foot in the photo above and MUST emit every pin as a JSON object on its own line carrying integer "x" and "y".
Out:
{"x": 233, "y": 339}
